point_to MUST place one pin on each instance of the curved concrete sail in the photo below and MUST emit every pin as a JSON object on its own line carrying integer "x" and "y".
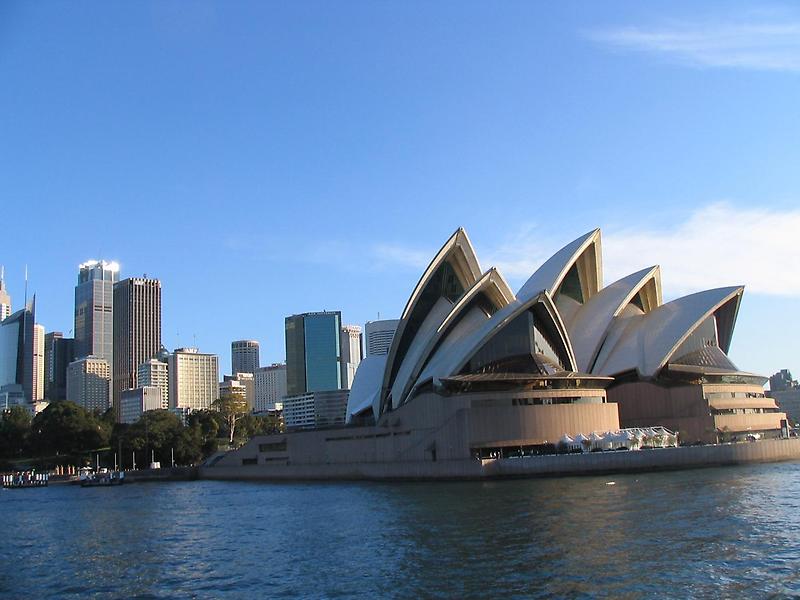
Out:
{"x": 576, "y": 271}
{"x": 486, "y": 296}
{"x": 366, "y": 386}
{"x": 453, "y": 270}
{"x": 590, "y": 325}
{"x": 647, "y": 342}
{"x": 453, "y": 358}
{"x": 425, "y": 334}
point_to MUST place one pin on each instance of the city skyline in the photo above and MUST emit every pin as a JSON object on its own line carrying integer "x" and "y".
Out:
{"x": 470, "y": 119}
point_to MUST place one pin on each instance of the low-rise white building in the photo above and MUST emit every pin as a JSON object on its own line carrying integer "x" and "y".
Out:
{"x": 315, "y": 410}
{"x": 155, "y": 373}
{"x": 134, "y": 403}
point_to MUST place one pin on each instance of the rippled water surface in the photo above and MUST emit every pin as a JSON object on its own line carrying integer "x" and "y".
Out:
{"x": 714, "y": 532}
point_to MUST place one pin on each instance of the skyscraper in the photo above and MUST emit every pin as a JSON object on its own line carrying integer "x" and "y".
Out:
{"x": 38, "y": 363}
{"x": 193, "y": 379}
{"x": 378, "y": 336}
{"x": 351, "y": 353}
{"x": 94, "y": 309}
{"x": 88, "y": 383}
{"x": 313, "y": 352}
{"x": 16, "y": 352}
{"x": 244, "y": 356}
{"x": 5, "y": 299}
{"x": 137, "y": 330}
{"x": 58, "y": 353}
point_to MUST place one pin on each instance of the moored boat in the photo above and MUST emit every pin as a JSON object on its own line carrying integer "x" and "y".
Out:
{"x": 103, "y": 479}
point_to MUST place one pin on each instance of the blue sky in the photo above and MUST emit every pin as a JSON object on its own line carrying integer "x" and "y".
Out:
{"x": 264, "y": 159}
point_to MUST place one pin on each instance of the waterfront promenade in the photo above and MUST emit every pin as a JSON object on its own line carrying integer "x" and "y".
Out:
{"x": 591, "y": 463}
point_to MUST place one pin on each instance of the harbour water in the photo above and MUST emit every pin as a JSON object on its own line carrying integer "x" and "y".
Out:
{"x": 711, "y": 532}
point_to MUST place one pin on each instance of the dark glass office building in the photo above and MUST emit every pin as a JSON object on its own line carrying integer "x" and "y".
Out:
{"x": 58, "y": 353}
{"x": 94, "y": 309}
{"x": 313, "y": 352}
{"x": 16, "y": 350}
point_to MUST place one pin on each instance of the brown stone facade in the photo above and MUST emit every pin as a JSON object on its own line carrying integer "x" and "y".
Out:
{"x": 708, "y": 413}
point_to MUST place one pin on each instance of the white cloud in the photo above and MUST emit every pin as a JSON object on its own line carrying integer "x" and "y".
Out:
{"x": 718, "y": 245}
{"x": 772, "y": 46}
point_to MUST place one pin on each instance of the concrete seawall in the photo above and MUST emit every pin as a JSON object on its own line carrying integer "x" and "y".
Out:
{"x": 593, "y": 463}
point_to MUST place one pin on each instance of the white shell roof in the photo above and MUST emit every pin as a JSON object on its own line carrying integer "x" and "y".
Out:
{"x": 646, "y": 342}
{"x": 550, "y": 275}
{"x": 366, "y": 386}
{"x": 425, "y": 334}
{"x": 490, "y": 283}
{"x": 589, "y": 327}
{"x": 450, "y": 358}
{"x": 459, "y": 247}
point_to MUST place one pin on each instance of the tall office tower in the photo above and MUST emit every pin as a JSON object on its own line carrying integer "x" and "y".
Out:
{"x": 94, "y": 309}
{"x": 137, "y": 330}
{"x": 313, "y": 352}
{"x": 270, "y": 387}
{"x": 155, "y": 373}
{"x": 193, "y": 379}
{"x": 89, "y": 382}
{"x": 351, "y": 353}
{"x": 58, "y": 353}
{"x": 38, "y": 363}
{"x": 244, "y": 356}
{"x": 5, "y": 299}
{"x": 378, "y": 336}
{"x": 16, "y": 352}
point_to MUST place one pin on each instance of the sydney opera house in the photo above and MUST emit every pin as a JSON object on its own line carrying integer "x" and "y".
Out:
{"x": 478, "y": 371}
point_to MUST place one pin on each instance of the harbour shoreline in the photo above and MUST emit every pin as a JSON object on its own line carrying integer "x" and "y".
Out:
{"x": 583, "y": 464}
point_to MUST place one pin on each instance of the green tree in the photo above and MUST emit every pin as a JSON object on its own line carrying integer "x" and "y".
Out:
{"x": 158, "y": 433}
{"x": 231, "y": 408}
{"x": 15, "y": 431}
{"x": 252, "y": 425}
{"x": 66, "y": 428}
{"x": 204, "y": 428}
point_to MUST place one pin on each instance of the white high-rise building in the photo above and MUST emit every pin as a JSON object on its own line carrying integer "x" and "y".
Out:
{"x": 155, "y": 373}
{"x": 38, "y": 363}
{"x": 89, "y": 383}
{"x": 5, "y": 299}
{"x": 351, "y": 354}
{"x": 378, "y": 336}
{"x": 193, "y": 379}
{"x": 270, "y": 387}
